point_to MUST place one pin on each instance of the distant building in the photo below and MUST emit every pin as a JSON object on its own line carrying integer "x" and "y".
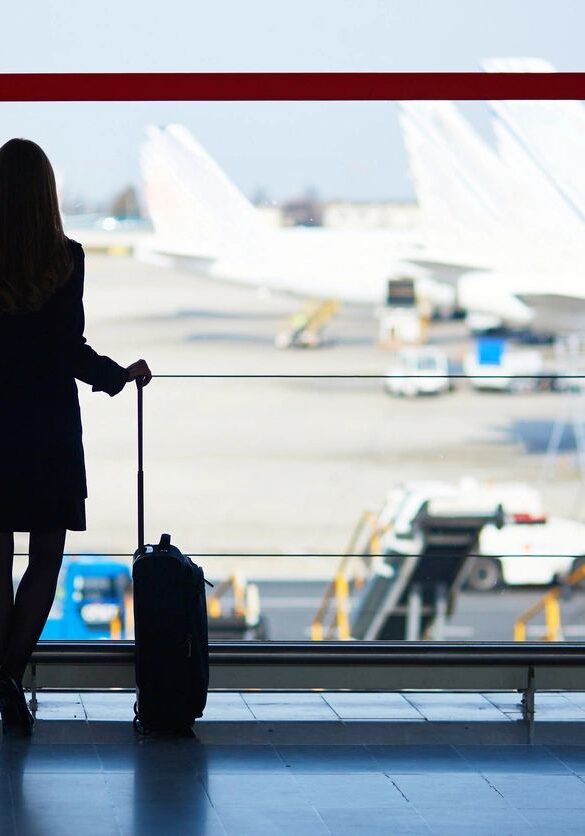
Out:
{"x": 370, "y": 215}
{"x": 338, "y": 214}
{"x": 303, "y": 211}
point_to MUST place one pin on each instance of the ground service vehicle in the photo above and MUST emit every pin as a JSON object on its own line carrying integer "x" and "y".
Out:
{"x": 492, "y": 365}
{"x": 91, "y": 602}
{"x": 418, "y": 371}
{"x": 527, "y": 547}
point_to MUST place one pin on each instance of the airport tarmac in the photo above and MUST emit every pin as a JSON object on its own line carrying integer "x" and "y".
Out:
{"x": 270, "y": 464}
{"x": 289, "y": 608}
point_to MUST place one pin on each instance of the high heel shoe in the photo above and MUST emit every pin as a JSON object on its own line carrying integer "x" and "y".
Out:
{"x": 16, "y": 717}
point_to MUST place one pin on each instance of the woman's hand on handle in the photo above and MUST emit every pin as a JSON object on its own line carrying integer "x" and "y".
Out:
{"x": 139, "y": 372}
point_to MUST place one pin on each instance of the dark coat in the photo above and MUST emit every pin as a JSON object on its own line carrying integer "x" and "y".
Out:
{"x": 42, "y": 469}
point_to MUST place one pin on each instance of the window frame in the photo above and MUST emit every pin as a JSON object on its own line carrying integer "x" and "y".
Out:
{"x": 297, "y": 86}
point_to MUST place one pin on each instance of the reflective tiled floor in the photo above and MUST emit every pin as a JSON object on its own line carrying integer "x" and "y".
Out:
{"x": 300, "y": 764}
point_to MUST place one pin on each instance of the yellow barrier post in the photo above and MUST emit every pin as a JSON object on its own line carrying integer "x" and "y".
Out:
{"x": 519, "y": 631}
{"x": 552, "y": 612}
{"x": 128, "y": 615}
{"x": 316, "y": 631}
{"x": 342, "y": 614}
{"x": 338, "y": 588}
{"x": 214, "y": 607}
{"x": 549, "y": 603}
{"x": 116, "y": 626}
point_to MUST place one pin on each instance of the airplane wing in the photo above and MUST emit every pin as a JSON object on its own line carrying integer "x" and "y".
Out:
{"x": 556, "y": 313}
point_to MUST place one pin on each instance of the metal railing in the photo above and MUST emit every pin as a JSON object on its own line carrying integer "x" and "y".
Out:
{"x": 549, "y": 604}
{"x": 354, "y": 666}
{"x": 337, "y": 592}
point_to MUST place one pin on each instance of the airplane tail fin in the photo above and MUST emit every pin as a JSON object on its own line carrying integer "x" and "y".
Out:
{"x": 551, "y": 133}
{"x": 457, "y": 177}
{"x": 476, "y": 202}
{"x": 194, "y": 206}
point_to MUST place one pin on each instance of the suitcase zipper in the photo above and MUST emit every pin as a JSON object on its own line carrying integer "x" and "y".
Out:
{"x": 189, "y": 637}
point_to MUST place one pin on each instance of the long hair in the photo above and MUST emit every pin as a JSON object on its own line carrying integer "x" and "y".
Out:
{"x": 34, "y": 257}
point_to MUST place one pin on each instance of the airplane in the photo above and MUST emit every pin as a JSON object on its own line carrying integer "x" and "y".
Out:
{"x": 493, "y": 223}
{"x": 496, "y": 211}
{"x": 201, "y": 219}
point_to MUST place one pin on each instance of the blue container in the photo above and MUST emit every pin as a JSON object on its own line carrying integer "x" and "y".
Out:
{"x": 490, "y": 350}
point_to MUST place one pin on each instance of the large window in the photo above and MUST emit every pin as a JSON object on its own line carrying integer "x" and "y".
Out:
{"x": 365, "y": 321}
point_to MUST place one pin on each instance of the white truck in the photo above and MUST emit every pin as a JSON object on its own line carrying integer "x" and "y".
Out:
{"x": 493, "y": 365}
{"x": 529, "y": 548}
{"x": 418, "y": 371}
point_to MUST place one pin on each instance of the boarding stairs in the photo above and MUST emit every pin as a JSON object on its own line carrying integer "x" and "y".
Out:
{"x": 410, "y": 596}
{"x": 305, "y": 328}
{"x": 405, "y": 595}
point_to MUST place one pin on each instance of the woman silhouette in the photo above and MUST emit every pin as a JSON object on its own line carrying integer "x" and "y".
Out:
{"x": 42, "y": 352}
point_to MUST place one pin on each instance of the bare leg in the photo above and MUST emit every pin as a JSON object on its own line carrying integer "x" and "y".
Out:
{"x": 34, "y": 599}
{"x": 6, "y": 586}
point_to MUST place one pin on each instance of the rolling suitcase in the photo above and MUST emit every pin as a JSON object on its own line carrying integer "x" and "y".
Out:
{"x": 170, "y": 623}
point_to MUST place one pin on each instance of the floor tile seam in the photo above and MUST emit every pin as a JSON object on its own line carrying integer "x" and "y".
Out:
{"x": 428, "y": 811}
{"x": 83, "y": 707}
{"x": 402, "y": 793}
{"x": 96, "y": 752}
{"x": 377, "y": 718}
{"x": 483, "y": 777}
{"x": 527, "y": 746}
{"x": 413, "y": 706}
{"x": 116, "y": 820}
{"x": 560, "y": 760}
{"x": 512, "y": 774}
{"x": 322, "y": 820}
{"x": 563, "y": 695}
{"x": 569, "y": 697}
{"x": 216, "y": 808}
{"x": 507, "y": 801}
{"x": 298, "y": 774}
{"x": 210, "y": 800}
{"x": 427, "y": 823}
{"x": 501, "y": 710}
{"x": 246, "y": 705}
{"x": 454, "y": 749}
{"x": 328, "y": 704}
{"x": 254, "y": 715}
{"x": 520, "y": 773}
{"x": 278, "y": 718}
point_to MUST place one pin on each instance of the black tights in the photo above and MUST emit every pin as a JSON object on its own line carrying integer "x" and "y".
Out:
{"x": 23, "y": 617}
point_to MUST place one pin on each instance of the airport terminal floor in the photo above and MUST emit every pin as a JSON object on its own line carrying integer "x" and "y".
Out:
{"x": 311, "y": 763}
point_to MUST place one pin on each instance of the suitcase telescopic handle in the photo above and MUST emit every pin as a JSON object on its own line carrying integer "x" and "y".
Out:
{"x": 140, "y": 474}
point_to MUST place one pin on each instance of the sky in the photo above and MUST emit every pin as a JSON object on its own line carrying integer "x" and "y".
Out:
{"x": 345, "y": 150}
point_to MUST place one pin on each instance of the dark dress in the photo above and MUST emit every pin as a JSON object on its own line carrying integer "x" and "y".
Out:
{"x": 42, "y": 469}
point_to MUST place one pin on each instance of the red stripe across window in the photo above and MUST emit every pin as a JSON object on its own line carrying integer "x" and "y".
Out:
{"x": 287, "y": 86}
